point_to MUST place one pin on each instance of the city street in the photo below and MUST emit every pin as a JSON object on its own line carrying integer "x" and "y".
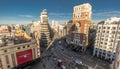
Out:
{"x": 58, "y": 51}
{"x": 53, "y": 54}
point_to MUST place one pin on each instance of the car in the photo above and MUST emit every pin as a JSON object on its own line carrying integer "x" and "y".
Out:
{"x": 62, "y": 49}
{"x": 59, "y": 42}
{"x": 60, "y": 63}
{"x": 63, "y": 67}
{"x": 78, "y": 61}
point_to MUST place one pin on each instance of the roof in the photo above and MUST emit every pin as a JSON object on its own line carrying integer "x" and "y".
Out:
{"x": 112, "y": 20}
{"x": 84, "y": 4}
{"x": 21, "y": 44}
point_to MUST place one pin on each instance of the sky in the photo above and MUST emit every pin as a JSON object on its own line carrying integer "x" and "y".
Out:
{"x": 26, "y": 11}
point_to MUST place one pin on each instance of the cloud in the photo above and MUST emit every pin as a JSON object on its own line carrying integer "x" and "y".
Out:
{"x": 60, "y": 16}
{"x": 27, "y": 16}
{"x": 107, "y": 14}
{"x": 103, "y": 15}
{"x": 15, "y": 21}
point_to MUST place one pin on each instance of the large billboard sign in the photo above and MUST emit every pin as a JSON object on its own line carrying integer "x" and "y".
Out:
{"x": 24, "y": 56}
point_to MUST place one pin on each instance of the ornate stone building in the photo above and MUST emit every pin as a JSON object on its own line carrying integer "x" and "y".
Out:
{"x": 44, "y": 31}
{"x": 82, "y": 17}
{"x": 116, "y": 63}
{"x": 117, "y": 58}
{"x": 13, "y": 56}
{"x": 43, "y": 28}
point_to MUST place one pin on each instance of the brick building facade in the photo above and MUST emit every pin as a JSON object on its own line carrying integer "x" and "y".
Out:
{"x": 82, "y": 17}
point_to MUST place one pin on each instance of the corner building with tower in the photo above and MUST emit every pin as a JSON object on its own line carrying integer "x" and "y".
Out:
{"x": 82, "y": 17}
{"x": 44, "y": 31}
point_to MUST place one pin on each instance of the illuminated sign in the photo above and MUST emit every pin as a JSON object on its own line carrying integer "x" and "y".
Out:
{"x": 24, "y": 56}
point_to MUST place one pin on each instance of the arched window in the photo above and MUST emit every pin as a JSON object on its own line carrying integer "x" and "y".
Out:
{"x": 118, "y": 63}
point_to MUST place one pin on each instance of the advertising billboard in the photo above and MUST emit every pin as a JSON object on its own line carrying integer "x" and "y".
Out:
{"x": 24, "y": 56}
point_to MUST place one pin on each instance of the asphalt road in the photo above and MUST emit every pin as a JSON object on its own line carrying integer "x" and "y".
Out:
{"x": 56, "y": 51}
{"x": 53, "y": 54}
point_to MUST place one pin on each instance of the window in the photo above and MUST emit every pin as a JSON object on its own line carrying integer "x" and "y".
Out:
{"x": 119, "y": 32}
{"x": 74, "y": 15}
{"x": 23, "y": 46}
{"x": 103, "y": 31}
{"x": 98, "y": 30}
{"x": 13, "y": 59}
{"x": 5, "y": 50}
{"x": 105, "y": 43}
{"x": 104, "y": 27}
{"x": 18, "y": 48}
{"x": 101, "y": 42}
{"x": 0, "y": 63}
{"x": 118, "y": 63}
{"x": 113, "y": 32}
{"x": 118, "y": 37}
{"x": 28, "y": 46}
{"x": 85, "y": 31}
{"x": 99, "y": 27}
{"x": 110, "y": 48}
{"x": 113, "y": 28}
{"x": 8, "y": 66}
{"x": 77, "y": 35}
{"x": 34, "y": 50}
{"x": 111, "y": 40}
{"x": 7, "y": 59}
{"x": 104, "y": 47}
{"x": 108, "y": 27}
{"x": 85, "y": 24}
{"x": 106, "y": 39}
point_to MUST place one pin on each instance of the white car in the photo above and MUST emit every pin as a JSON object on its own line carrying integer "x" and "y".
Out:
{"x": 78, "y": 61}
{"x": 63, "y": 67}
{"x": 59, "y": 42}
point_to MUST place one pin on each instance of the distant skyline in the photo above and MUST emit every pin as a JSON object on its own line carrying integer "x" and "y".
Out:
{"x": 26, "y": 11}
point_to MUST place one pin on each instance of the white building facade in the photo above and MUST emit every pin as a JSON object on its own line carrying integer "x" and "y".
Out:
{"x": 54, "y": 25}
{"x": 107, "y": 37}
{"x": 35, "y": 27}
{"x": 117, "y": 57}
{"x": 44, "y": 28}
{"x": 9, "y": 57}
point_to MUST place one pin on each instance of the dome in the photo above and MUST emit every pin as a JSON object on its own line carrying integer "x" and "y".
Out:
{"x": 44, "y": 12}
